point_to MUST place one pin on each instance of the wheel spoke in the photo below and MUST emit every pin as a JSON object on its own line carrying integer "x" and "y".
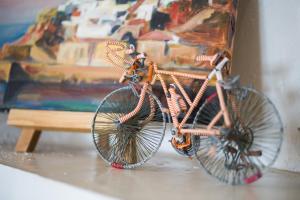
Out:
{"x": 256, "y": 127}
{"x": 134, "y": 142}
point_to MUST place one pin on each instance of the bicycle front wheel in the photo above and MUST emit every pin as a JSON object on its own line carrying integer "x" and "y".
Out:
{"x": 244, "y": 151}
{"x": 129, "y": 144}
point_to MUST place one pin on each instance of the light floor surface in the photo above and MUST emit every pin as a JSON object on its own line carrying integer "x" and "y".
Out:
{"x": 165, "y": 176}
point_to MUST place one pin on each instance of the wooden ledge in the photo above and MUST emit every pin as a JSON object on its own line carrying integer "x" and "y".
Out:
{"x": 51, "y": 120}
{"x": 33, "y": 122}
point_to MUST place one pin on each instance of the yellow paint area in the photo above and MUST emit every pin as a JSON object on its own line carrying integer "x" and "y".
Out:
{"x": 5, "y": 67}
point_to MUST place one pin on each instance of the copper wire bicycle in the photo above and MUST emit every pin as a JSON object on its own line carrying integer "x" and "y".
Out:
{"x": 236, "y": 133}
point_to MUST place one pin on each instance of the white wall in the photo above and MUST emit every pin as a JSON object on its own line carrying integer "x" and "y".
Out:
{"x": 267, "y": 55}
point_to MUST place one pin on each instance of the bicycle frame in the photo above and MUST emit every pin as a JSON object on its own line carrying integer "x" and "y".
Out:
{"x": 180, "y": 126}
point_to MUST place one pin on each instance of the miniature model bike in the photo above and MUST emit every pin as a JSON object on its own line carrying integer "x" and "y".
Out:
{"x": 235, "y": 133}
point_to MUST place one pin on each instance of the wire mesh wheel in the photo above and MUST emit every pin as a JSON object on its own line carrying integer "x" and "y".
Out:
{"x": 129, "y": 144}
{"x": 242, "y": 153}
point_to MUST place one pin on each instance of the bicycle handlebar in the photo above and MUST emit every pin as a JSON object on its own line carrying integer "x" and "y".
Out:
{"x": 213, "y": 60}
{"x": 136, "y": 60}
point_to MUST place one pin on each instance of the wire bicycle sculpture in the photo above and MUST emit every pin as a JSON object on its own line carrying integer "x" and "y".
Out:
{"x": 236, "y": 133}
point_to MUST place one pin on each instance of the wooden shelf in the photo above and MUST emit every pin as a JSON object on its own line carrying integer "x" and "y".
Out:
{"x": 33, "y": 122}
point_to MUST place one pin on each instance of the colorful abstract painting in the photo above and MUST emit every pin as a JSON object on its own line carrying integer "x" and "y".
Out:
{"x": 53, "y": 52}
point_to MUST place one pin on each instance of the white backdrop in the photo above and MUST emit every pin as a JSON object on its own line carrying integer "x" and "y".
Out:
{"x": 267, "y": 55}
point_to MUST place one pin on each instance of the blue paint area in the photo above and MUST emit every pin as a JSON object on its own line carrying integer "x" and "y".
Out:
{"x": 56, "y": 96}
{"x": 12, "y": 32}
{"x": 3, "y": 86}
{"x": 68, "y": 104}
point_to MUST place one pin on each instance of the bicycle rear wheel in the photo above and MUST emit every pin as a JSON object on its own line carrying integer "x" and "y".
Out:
{"x": 129, "y": 144}
{"x": 243, "y": 152}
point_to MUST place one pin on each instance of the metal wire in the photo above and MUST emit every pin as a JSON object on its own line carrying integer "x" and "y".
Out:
{"x": 118, "y": 54}
{"x": 132, "y": 143}
{"x": 257, "y": 128}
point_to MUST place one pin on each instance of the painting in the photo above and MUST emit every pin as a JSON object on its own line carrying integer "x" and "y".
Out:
{"x": 53, "y": 52}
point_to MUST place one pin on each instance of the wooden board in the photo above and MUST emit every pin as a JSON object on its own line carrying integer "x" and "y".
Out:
{"x": 28, "y": 140}
{"x": 51, "y": 120}
{"x": 33, "y": 122}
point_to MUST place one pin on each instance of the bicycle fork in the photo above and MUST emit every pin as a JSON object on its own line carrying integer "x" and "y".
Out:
{"x": 139, "y": 105}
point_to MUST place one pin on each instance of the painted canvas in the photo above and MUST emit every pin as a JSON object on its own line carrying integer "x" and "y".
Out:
{"x": 53, "y": 52}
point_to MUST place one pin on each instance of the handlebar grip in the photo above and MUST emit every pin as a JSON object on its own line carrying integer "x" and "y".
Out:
{"x": 205, "y": 58}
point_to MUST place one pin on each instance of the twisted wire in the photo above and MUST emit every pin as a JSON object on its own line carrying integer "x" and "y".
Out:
{"x": 112, "y": 47}
{"x": 195, "y": 102}
{"x": 205, "y": 58}
{"x": 177, "y": 103}
{"x": 138, "y": 107}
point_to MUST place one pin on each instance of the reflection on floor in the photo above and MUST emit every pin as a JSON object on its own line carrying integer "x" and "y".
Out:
{"x": 166, "y": 176}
